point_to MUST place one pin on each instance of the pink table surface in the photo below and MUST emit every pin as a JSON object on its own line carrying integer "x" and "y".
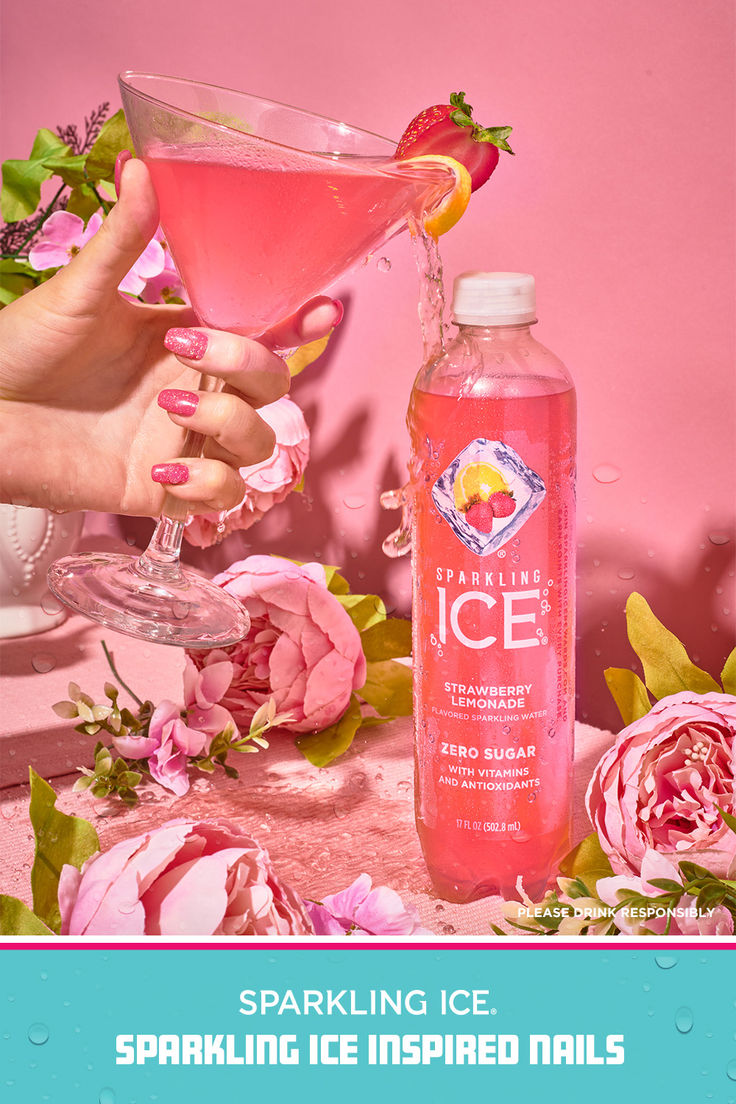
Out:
{"x": 321, "y": 827}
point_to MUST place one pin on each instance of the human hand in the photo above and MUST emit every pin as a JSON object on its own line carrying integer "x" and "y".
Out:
{"x": 86, "y": 371}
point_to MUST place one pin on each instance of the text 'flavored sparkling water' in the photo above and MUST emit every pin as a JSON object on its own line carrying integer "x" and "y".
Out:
{"x": 492, "y": 424}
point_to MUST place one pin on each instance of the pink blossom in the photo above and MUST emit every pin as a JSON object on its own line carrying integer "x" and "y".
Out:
{"x": 203, "y": 690}
{"x": 64, "y": 234}
{"x": 266, "y": 483}
{"x": 166, "y": 284}
{"x": 166, "y": 747}
{"x": 186, "y": 878}
{"x": 661, "y": 784}
{"x": 302, "y": 649}
{"x": 378, "y": 911}
{"x": 716, "y": 921}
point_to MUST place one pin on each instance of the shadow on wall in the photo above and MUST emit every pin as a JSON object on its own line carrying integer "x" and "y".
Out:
{"x": 697, "y": 605}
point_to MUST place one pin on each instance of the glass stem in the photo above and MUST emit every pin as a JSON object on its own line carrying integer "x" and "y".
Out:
{"x": 161, "y": 558}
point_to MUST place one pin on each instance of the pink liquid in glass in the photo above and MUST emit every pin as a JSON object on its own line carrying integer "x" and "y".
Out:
{"x": 493, "y": 632}
{"x": 253, "y": 240}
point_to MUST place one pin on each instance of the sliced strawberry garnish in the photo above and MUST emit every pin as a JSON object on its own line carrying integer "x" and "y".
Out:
{"x": 450, "y": 130}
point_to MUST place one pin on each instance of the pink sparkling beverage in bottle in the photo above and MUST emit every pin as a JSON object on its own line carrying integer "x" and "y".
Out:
{"x": 492, "y": 425}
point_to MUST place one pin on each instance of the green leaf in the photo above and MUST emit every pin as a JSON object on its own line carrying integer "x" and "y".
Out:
{"x": 22, "y": 180}
{"x": 363, "y": 610}
{"x": 387, "y": 640}
{"x": 667, "y": 667}
{"x": 15, "y": 278}
{"x": 335, "y": 582}
{"x": 60, "y": 839}
{"x": 113, "y": 138}
{"x": 628, "y": 692}
{"x": 587, "y": 861}
{"x": 321, "y": 748}
{"x": 17, "y": 919}
{"x": 69, "y": 168}
{"x": 728, "y": 674}
{"x": 388, "y": 688}
{"x": 498, "y": 931}
{"x": 307, "y": 354}
{"x": 728, "y": 818}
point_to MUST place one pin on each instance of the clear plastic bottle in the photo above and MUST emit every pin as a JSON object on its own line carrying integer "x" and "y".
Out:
{"x": 492, "y": 426}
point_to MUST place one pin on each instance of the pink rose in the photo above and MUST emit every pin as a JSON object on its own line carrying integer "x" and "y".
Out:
{"x": 266, "y": 483}
{"x": 378, "y": 911}
{"x": 191, "y": 878}
{"x": 716, "y": 921}
{"x": 660, "y": 785}
{"x": 302, "y": 649}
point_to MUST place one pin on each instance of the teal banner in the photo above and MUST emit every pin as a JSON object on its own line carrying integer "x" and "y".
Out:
{"x": 179, "y": 1026}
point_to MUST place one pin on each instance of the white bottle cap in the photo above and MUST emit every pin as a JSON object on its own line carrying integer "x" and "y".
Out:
{"x": 494, "y": 299}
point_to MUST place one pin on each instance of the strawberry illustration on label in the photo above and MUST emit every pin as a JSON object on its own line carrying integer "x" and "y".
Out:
{"x": 487, "y": 494}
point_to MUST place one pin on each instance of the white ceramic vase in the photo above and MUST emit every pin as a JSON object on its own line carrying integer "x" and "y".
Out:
{"x": 30, "y": 541}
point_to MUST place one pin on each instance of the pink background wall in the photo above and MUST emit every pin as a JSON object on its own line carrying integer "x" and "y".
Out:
{"x": 620, "y": 200}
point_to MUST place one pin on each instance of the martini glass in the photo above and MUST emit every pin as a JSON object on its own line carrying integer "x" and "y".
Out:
{"x": 263, "y": 206}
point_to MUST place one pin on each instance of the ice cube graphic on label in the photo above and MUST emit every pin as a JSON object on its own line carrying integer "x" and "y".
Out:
{"x": 487, "y": 494}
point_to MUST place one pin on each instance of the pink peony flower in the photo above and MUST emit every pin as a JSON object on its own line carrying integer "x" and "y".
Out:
{"x": 186, "y": 878}
{"x": 685, "y": 921}
{"x": 64, "y": 234}
{"x": 266, "y": 483}
{"x": 302, "y": 649}
{"x": 378, "y": 911}
{"x": 659, "y": 787}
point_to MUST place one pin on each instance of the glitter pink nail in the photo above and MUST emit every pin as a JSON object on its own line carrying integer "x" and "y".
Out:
{"x": 173, "y": 474}
{"x": 183, "y": 403}
{"x": 191, "y": 344}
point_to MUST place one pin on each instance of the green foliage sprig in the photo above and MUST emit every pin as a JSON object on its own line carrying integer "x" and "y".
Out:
{"x": 82, "y": 169}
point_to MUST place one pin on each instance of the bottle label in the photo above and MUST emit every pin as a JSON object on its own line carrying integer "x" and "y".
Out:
{"x": 493, "y": 632}
{"x": 487, "y": 494}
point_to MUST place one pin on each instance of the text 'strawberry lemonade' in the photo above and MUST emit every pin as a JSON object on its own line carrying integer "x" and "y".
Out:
{"x": 492, "y": 424}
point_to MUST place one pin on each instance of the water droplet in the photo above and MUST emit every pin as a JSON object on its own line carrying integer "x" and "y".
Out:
{"x": 531, "y": 798}
{"x": 38, "y": 1034}
{"x": 447, "y": 929}
{"x": 506, "y": 730}
{"x": 179, "y": 610}
{"x": 718, "y": 538}
{"x": 626, "y": 573}
{"x": 665, "y": 962}
{"x": 439, "y": 908}
{"x": 731, "y": 1070}
{"x": 606, "y": 473}
{"x": 43, "y": 662}
{"x": 107, "y": 1096}
{"x": 404, "y": 787}
{"x": 51, "y": 605}
{"x": 684, "y": 1020}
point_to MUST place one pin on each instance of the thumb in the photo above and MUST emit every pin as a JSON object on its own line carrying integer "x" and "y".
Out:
{"x": 109, "y": 255}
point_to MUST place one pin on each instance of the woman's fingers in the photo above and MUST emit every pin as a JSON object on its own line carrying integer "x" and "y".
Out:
{"x": 207, "y": 485}
{"x": 245, "y": 365}
{"x": 312, "y": 321}
{"x": 236, "y": 433}
{"x": 249, "y": 366}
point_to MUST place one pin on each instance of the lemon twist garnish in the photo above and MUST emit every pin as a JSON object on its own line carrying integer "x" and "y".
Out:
{"x": 452, "y": 206}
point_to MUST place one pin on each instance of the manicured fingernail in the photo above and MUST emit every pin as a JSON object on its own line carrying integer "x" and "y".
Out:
{"x": 173, "y": 474}
{"x": 191, "y": 344}
{"x": 122, "y": 157}
{"x": 339, "y": 312}
{"x": 183, "y": 403}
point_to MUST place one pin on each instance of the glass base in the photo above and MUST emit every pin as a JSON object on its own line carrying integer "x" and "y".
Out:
{"x": 135, "y": 597}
